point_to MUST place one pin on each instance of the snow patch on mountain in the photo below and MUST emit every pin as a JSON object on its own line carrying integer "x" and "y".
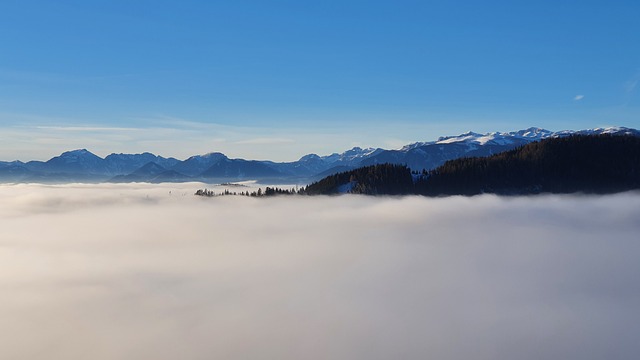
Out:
{"x": 497, "y": 138}
{"x": 208, "y": 157}
{"x": 351, "y": 155}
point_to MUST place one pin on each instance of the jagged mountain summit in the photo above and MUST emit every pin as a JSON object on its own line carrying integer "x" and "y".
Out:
{"x": 83, "y": 166}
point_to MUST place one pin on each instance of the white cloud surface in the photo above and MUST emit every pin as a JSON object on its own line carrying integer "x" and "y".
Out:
{"x": 136, "y": 272}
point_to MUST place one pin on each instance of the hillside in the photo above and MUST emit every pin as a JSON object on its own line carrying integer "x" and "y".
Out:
{"x": 579, "y": 163}
{"x": 384, "y": 179}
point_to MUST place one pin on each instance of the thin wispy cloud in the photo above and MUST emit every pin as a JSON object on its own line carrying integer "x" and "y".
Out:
{"x": 40, "y": 76}
{"x": 578, "y": 97}
{"x": 31, "y": 137}
{"x": 33, "y": 76}
{"x": 87, "y": 128}
{"x": 266, "y": 141}
{"x": 632, "y": 83}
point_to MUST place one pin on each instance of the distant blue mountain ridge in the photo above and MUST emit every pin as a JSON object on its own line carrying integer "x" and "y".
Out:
{"x": 83, "y": 166}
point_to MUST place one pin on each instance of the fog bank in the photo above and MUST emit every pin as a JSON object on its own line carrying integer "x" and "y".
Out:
{"x": 128, "y": 271}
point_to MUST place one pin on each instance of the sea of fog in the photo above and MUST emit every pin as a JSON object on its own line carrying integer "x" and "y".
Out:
{"x": 153, "y": 272}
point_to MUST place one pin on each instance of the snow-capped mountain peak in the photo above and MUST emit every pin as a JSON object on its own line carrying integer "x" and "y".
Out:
{"x": 495, "y": 138}
{"x": 415, "y": 145}
{"x": 613, "y": 130}
{"x": 207, "y": 158}
{"x": 531, "y": 133}
{"x": 76, "y": 154}
{"x": 214, "y": 154}
{"x": 357, "y": 152}
{"x": 310, "y": 157}
{"x": 353, "y": 154}
{"x": 469, "y": 137}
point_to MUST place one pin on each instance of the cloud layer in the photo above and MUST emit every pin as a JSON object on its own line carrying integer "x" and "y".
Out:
{"x": 151, "y": 272}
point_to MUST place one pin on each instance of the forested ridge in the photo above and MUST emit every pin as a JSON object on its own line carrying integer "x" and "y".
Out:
{"x": 589, "y": 164}
{"x": 387, "y": 179}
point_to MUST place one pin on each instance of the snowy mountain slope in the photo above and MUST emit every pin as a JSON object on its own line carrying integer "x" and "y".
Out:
{"x": 351, "y": 157}
{"x": 428, "y": 155}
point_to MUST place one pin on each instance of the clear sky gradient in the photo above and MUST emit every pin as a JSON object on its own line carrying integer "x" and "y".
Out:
{"x": 280, "y": 79}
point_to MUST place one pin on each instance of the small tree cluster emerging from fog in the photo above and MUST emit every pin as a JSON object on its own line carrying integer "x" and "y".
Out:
{"x": 268, "y": 191}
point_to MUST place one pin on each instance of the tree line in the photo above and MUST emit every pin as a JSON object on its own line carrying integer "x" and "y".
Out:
{"x": 268, "y": 191}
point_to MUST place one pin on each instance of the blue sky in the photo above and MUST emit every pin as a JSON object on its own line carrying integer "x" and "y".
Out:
{"x": 279, "y": 79}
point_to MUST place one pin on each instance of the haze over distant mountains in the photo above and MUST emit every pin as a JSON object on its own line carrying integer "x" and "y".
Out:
{"x": 84, "y": 166}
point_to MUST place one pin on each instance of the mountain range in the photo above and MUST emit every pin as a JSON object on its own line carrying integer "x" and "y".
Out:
{"x": 84, "y": 166}
{"x": 597, "y": 164}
